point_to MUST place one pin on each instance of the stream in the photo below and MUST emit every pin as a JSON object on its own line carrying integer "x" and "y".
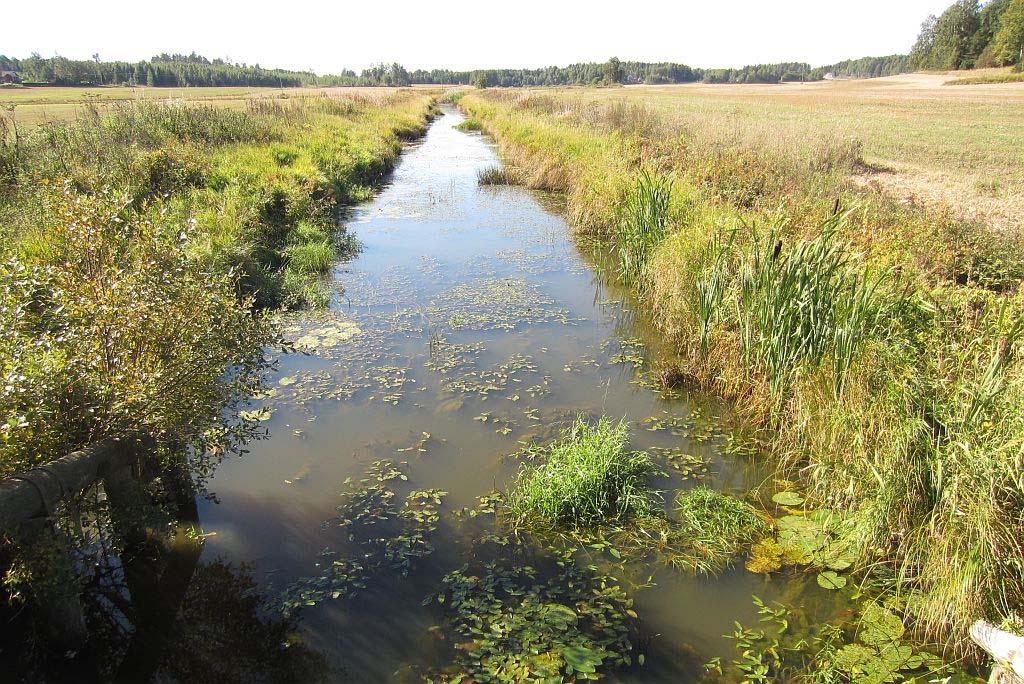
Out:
{"x": 467, "y": 323}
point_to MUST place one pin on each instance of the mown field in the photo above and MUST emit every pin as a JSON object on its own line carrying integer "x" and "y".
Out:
{"x": 841, "y": 260}
{"x": 921, "y": 139}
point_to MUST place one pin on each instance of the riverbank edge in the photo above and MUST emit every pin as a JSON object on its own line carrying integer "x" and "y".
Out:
{"x": 818, "y": 436}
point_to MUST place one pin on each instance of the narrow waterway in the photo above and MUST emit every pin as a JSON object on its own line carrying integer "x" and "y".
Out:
{"x": 466, "y": 324}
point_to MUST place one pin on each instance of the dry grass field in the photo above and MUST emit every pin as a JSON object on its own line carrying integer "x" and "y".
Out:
{"x": 923, "y": 140}
{"x": 35, "y": 105}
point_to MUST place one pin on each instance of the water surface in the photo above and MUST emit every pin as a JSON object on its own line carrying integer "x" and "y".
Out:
{"x": 467, "y": 323}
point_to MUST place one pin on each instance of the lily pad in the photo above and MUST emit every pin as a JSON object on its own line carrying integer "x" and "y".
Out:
{"x": 582, "y": 659}
{"x": 830, "y": 580}
{"x": 788, "y": 499}
{"x": 879, "y": 625}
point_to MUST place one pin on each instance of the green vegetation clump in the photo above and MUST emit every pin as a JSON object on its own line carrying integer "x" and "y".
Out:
{"x": 470, "y": 126}
{"x": 496, "y": 175}
{"x": 790, "y": 645}
{"x": 513, "y": 625}
{"x": 642, "y": 224}
{"x": 588, "y": 477}
{"x": 713, "y": 528}
{"x": 107, "y": 328}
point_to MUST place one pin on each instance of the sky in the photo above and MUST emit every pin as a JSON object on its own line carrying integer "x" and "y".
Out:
{"x": 467, "y": 34}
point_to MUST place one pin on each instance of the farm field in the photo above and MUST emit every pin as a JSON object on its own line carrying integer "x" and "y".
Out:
{"x": 922, "y": 140}
{"x": 36, "y": 105}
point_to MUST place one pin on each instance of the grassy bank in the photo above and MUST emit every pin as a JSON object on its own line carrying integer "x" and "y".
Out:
{"x": 140, "y": 245}
{"x": 871, "y": 343}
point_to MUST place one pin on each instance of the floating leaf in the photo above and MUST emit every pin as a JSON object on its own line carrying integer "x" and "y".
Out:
{"x": 831, "y": 580}
{"x": 582, "y": 659}
{"x": 880, "y": 625}
{"x": 788, "y": 499}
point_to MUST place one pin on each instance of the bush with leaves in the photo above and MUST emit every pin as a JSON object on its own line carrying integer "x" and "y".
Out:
{"x": 111, "y": 330}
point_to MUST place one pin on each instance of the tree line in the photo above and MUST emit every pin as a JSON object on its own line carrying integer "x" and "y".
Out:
{"x": 162, "y": 70}
{"x": 969, "y": 35}
{"x": 195, "y": 70}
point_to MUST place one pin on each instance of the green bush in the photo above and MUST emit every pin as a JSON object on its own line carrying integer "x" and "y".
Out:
{"x": 117, "y": 333}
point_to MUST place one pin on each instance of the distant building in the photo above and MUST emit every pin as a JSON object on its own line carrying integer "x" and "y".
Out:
{"x": 830, "y": 76}
{"x": 9, "y": 77}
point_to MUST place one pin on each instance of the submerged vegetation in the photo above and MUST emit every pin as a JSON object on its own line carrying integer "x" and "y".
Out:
{"x": 874, "y": 344}
{"x": 514, "y": 625}
{"x": 787, "y": 646}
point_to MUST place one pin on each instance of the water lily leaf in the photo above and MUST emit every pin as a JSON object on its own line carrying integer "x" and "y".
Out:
{"x": 788, "y": 499}
{"x": 582, "y": 659}
{"x": 855, "y": 658}
{"x": 831, "y": 580}
{"x": 880, "y": 625}
{"x": 766, "y": 556}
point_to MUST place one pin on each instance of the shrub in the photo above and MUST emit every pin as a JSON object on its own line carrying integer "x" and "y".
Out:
{"x": 117, "y": 333}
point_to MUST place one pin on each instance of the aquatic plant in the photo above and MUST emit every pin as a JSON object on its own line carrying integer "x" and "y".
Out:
{"x": 587, "y": 477}
{"x": 496, "y": 175}
{"x": 386, "y": 537}
{"x": 787, "y": 645}
{"x": 711, "y": 528}
{"x": 470, "y": 125}
{"x": 514, "y": 624}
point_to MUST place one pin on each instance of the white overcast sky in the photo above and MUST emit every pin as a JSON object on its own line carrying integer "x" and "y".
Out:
{"x": 466, "y": 34}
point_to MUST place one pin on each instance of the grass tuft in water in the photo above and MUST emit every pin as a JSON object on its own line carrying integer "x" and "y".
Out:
{"x": 496, "y": 175}
{"x": 715, "y": 526}
{"x": 587, "y": 477}
{"x": 470, "y": 125}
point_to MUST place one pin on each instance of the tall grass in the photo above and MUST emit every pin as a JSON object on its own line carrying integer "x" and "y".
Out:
{"x": 496, "y": 175}
{"x": 587, "y": 477}
{"x": 799, "y": 304}
{"x": 643, "y": 221}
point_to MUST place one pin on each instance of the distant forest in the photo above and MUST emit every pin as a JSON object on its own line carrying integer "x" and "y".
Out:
{"x": 196, "y": 70}
{"x": 969, "y": 35}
